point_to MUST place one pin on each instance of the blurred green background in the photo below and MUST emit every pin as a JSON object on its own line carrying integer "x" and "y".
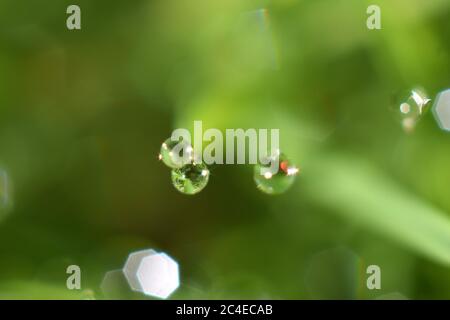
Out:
{"x": 83, "y": 114}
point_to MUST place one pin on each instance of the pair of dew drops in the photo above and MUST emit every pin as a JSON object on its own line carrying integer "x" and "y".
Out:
{"x": 191, "y": 177}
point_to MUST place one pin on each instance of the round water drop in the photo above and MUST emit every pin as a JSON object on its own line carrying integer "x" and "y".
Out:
{"x": 279, "y": 181}
{"x": 411, "y": 106}
{"x": 191, "y": 178}
{"x": 176, "y": 157}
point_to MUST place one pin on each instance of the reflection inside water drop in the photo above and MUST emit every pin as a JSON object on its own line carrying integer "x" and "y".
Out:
{"x": 191, "y": 178}
{"x": 278, "y": 182}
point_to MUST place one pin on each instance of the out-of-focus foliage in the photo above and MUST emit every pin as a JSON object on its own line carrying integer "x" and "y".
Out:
{"x": 83, "y": 115}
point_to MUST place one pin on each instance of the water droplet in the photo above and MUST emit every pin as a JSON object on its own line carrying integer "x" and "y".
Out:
{"x": 441, "y": 110}
{"x": 191, "y": 178}
{"x": 279, "y": 182}
{"x": 176, "y": 158}
{"x": 411, "y": 107}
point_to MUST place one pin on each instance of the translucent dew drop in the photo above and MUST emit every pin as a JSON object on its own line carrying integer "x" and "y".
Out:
{"x": 275, "y": 183}
{"x": 175, "y": 158}
{"x": 191, "y": 178}
{"x": 411, "y": 107}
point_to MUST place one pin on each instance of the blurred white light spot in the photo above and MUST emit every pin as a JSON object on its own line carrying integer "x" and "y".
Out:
{"x": 409, "y": 124}
{"x": 132, "y": 265}
{"x": 441, "y": 110}
{"x": 158, "y": 275}
{"x": 420, "y": 99}
{"x": 292, "y": 171}
{"x": 405, "y": 108}
{"x": 152, "y": 273}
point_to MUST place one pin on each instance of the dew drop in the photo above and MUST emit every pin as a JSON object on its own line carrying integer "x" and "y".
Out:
{"x": 191, "y": 178}
{"x": 175, "y": 158}
{"x": 411, "y": 107}
{"x": 275, "y": 183}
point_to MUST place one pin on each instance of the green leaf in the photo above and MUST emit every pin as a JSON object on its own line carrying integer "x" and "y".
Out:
{"x": 360, "y": 193}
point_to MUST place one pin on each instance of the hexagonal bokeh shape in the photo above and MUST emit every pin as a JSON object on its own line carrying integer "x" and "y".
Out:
{"x": 158, "y": 275}
{"x": 131, "y": 266}
{"x": 441, "y": 110}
